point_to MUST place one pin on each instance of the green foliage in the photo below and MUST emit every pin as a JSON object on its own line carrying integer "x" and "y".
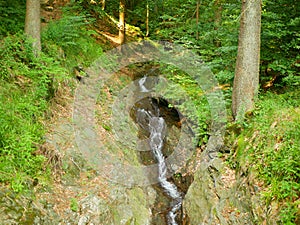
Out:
{"x": 27, "y": 83}
{"x": 185, "y": 94}
{"x": 270, "y": 143}
{"x": 281, "y": 41}
{"x": 175, "y": 21}
{"x": 74, "y": 205}
{"x": 12, "y": 16}
{"x": 66, "y": 31}
{"x": 70, "y": 34}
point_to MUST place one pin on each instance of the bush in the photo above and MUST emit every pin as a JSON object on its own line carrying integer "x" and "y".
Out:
{"x": 196, "y": 107}
{"x": 12, "y": 16}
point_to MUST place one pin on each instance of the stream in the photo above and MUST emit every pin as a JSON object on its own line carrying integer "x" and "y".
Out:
{"x": 214, "y": 194}
{"x": 151, "y": 121}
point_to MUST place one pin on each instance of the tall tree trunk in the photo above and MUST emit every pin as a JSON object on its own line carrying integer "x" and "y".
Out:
{"x": 246, "y": 79}
{"x": 218, "y": 19}
{"x": 147, "y": 19}
{"x": 103, "y": 5}
{"x": 33, "y": 24}
{"x": 197, "y": 18}
{"x": 122, "y": 22}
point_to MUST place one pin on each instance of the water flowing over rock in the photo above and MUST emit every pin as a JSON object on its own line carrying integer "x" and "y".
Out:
{"x": 141, "y": 84}
{"x": 217, "y": 194}
{"x": 157, "y": 128}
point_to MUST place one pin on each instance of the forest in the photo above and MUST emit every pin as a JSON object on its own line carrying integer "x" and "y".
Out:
{"x": 49, "y": 52}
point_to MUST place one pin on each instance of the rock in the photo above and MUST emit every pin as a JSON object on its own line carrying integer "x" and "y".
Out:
{"x": 220, "y": 195}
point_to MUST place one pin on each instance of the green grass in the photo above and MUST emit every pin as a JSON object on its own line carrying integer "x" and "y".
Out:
{"x": 270, "y": 143}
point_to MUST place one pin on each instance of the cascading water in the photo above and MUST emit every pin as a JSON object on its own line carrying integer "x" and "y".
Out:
{"x": 157, "y": 132}
{"x": 141, "y": 84}
{"x": 156, "y": 126}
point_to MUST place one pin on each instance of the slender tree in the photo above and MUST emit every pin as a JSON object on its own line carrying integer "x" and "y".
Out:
{"x": 33, "y": 24}
{"x": 246, "y": 79}
{"x": 218, "y": 19}
{"x": 197, "y": 19}
{"x": 147, "y": 19}
{"x": 122, "y": 22}
{"x": 103, "y": 5}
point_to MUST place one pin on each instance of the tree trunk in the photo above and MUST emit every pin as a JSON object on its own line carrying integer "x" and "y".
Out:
{"x": 218, "y": 19}
{"x": 246, "y": 79}
{"x": 122, "y": 22}
{"x": 147, "y": 19}
{"x": 33, "y": 24}
{"x": 103, "y": 5}
{"x": 197, "y": 18}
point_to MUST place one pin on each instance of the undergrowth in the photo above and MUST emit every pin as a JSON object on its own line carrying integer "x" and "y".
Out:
{"x": 28, "y": 84}
{"x": 186, "y": 95}
{"x": 270, "y": 143}
{"x": 73, "y": 40}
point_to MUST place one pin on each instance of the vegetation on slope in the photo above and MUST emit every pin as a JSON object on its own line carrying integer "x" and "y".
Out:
{"x": 28, "y": 86}
{"x": 268, "y": 146}
{"x": 268, "y": 142}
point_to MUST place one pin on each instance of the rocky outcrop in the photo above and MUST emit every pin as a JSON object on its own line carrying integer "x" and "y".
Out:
{"x": 220, "y": 195}
{"x": 215, "y": 194}
{"x": 81, "y": 197}
{"x": 215, "y": 198}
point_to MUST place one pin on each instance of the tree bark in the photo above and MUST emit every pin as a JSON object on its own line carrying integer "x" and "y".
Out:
{"x": 246, "y": 79}
{"x": 147, "y": 19}
{"x": 197, "y": 19}
{"x": 218, "y": 19}
{"x": 33, "y": 24}
{"x": 122, "y": 22}
{"x": 103, "y": 5}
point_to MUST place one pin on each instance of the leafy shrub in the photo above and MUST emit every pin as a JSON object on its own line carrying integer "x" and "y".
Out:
{"x": 196, "y": 108}
{"x": 217, "y": 44}
{"x": 281, "y": 42}
{"x": 65, "y": 31}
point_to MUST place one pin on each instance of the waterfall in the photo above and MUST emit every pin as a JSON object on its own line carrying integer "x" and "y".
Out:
{"x": 141, "y": 84}
{"x": 151, "y": 121}
{"x": 157, "y": 128}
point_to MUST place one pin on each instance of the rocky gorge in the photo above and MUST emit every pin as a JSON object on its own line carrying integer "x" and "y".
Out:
{"x": 212, "y": 192}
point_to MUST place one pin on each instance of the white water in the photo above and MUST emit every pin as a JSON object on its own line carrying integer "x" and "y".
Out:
{"x": 141, "y": 84}
{"x": 157, "y": 128}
